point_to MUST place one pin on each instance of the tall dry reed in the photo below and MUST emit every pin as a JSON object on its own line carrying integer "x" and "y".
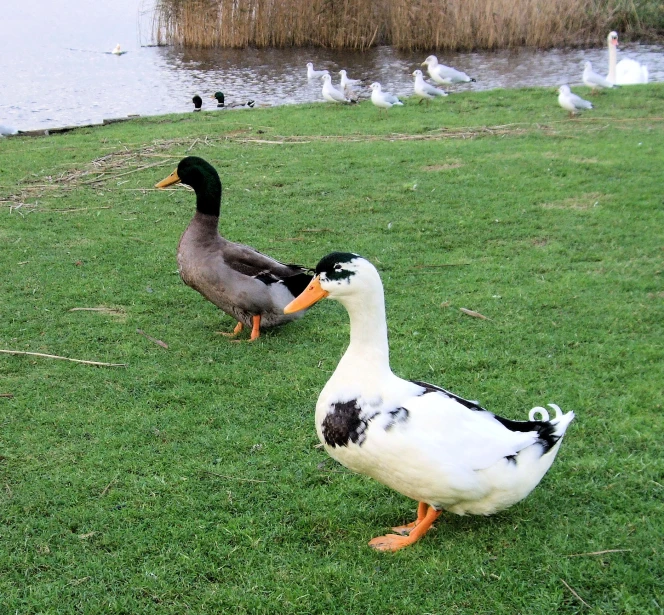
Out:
{"x": 406, "y": 24}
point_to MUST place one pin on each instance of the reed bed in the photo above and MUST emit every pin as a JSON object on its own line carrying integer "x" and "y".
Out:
{"x": 406, "y": 24}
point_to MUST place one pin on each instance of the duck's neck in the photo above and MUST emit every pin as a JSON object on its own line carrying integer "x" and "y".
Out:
{"x": 208, "y": 199}
{"x": 368, "y": 354}
{"x": 612, "y": 63}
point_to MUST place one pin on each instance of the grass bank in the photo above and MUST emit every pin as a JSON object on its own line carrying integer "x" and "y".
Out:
{"x": 189, "y": 481}
{"x": 406, "y": 24}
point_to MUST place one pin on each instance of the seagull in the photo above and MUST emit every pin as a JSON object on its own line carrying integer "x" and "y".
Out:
{"x": 330, "y": 93}
{"x": 383, "y": 100}
{"x": 424, "y": 90}
{"x": 571, "y": 102}
{"x": 198, "y": 102}
{"x": 346, "y": 82}
{"x": 313, "y": 74}
{"x": 593, "y": 80}
{"x": 445, "y": 74}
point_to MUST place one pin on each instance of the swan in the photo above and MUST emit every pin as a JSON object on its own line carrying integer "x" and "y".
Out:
{"x": 627, "y": 71}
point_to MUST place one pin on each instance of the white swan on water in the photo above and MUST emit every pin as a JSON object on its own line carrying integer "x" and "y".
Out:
{"x": 627, "y": 71}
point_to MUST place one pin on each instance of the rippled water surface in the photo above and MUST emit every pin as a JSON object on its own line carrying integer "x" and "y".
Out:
{"x": 57, "y": 69}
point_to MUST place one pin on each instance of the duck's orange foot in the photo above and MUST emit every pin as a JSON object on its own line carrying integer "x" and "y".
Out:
{"x": 421, "y": 513}
{"x": 403, "y": 530}
{"x": 394, "y": 542}
{"x": 255, "y": 329}
{"x": 390, "y": 542}
{"x": 234, "y": 333}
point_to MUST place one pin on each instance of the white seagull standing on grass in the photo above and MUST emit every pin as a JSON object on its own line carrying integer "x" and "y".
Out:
{"x": 383, "y": 100}
{"x": 445, "y": 74}
{"x": 424, "y": 90}
{"x": 331, "y": 94}
{"x": 593, "y": 80}
{"x": 571, "y": 102}
{"x": 314, "y": 74}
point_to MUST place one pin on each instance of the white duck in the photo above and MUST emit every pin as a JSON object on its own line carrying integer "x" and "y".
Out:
{"x": 444, "y": 451}
{"x": 424, "y": 90}
{"x": 593, "y": 80}
{"x": 571, "y": 102}
{"x": 331, "y": 94}
{"x": 445, "y": 74}
{"x": 627, "y": 71}
{"x": 315, "y": 74}
{"x": 383, "y": 100}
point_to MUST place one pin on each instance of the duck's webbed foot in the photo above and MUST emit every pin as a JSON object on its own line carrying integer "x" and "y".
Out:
{"x": 255, "y": 329}
{"x": 238, "y": 329}
{"x": 421, "y": 513}
{"x": 394, "y": 542}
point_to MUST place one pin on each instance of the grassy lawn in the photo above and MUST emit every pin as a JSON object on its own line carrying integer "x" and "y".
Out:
{"x": 189, "y": 481}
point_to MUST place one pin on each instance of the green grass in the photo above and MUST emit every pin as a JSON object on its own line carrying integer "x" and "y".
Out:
{"x": 190, "y": 481}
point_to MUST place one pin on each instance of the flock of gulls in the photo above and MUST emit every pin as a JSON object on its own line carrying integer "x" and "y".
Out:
{"x": 625, "y": 72}
{"x": 347, "y": 90}
{"x": 444, "y": 451}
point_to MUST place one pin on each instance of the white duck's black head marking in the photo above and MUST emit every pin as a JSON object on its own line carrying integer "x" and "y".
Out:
{"x": 204, "y": 179}
{"x": 344, "y": 424}
{"x": 331, "y": 267}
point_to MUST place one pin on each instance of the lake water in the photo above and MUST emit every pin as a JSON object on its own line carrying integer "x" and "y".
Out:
{"x": 56, "y": 69}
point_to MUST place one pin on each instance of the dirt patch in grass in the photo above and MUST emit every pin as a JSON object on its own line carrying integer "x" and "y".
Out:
{"x": 581, "y": 202}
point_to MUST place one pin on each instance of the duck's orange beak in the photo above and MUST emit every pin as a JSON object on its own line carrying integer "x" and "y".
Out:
{"x": 169, "y": 181}
{"x": 307, "y": 298}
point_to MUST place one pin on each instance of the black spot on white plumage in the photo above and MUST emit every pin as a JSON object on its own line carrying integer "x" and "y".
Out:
{"x": 545, "y": 430}
{"x": 344, "y": 423}
{"x": 400, "y": 415}
{"x": 332, "y": 266}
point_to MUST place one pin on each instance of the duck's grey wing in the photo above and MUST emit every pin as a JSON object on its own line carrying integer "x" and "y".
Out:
{"x": 250, "y": 262}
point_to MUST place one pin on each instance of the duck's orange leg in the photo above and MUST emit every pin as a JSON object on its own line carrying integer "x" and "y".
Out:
{"x": 238, "y": 329}
{"x": 421, "y": 513}
{"x": 394, "y": 542}
{"x": 256, "y": 329}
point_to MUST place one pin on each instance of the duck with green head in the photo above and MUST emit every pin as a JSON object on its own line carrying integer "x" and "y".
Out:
{"x": 249, "y": 286}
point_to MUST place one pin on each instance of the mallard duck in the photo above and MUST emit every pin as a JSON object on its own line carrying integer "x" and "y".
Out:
{"x": 571, "y": 102}
{"x": 198, "y": 102}
{"x": 222, "y": 104}
{"x": 247, "y": 285}
{"x": 431, "y": 445}
{"x": 445, "y": 74}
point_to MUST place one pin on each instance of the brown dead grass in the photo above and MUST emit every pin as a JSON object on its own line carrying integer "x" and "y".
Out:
{"x": 406, "y": 24}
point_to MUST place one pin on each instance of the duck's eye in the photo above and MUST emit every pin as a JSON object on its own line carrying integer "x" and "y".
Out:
{"x": 338, "y": 267}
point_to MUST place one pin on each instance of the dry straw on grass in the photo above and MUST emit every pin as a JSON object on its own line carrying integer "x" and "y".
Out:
{"x": 406, "y": 24}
